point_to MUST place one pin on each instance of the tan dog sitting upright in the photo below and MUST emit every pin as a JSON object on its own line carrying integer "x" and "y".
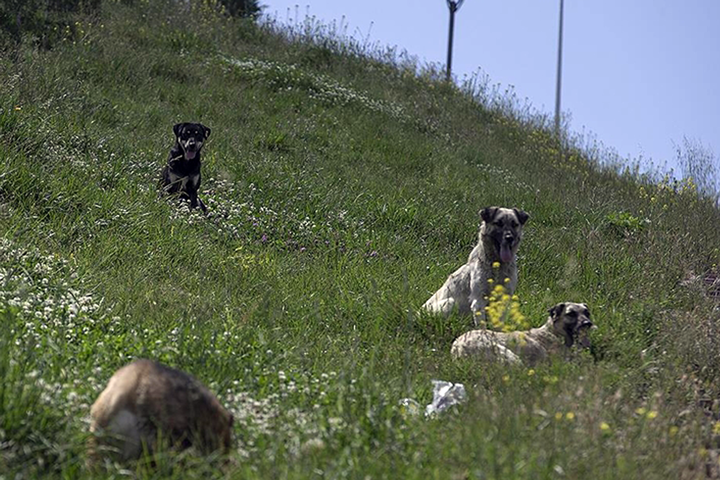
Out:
{"x": 568, "y": 324}
{"x": 467, "y": 289}
{"x": 146, "y": 400}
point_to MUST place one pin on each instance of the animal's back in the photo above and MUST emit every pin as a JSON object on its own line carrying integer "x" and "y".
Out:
{"x": 454, "y": 294}
{"x": 144, "y": 397}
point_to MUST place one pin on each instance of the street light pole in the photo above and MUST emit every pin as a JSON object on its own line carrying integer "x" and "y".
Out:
{"x": 453, "y": 6}
{"x": 559, "y": 72}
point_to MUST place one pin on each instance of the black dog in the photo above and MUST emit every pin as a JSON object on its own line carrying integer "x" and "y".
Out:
{"x": 182, "y": 172}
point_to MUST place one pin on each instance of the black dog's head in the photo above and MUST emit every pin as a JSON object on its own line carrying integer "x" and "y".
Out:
{"x": 190, "y": 137}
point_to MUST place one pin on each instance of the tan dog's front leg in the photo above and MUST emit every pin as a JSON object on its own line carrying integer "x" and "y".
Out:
{"x": 477, "y": 294}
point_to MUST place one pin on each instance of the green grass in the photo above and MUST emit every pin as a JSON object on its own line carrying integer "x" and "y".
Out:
{"x": 343, "y": 188}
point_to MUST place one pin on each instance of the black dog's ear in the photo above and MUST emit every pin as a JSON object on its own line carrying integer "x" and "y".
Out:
{"x": 488, "y": 213}
{"x": 176, "y": 129}
{"x": 521, "y": 215}
{"x": 206, "y": 130}
{"x": 556, "y": 310}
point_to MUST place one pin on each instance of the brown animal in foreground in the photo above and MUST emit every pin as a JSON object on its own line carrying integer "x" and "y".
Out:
{"x": 568, "y": 324}
{"x": 145, "y": 401}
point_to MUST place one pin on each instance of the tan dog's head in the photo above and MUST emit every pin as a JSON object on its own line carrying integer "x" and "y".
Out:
{"x": 571, "y": 322}
{"x": 502, "y": 227}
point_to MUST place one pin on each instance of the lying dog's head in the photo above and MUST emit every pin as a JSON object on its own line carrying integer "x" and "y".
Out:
{"x": 503, "y": 228}
{"x": 190, "y": 137}
{"x": 571, "y": 322}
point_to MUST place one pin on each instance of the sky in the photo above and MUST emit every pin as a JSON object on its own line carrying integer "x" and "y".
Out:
{"x": 638, "y": 75}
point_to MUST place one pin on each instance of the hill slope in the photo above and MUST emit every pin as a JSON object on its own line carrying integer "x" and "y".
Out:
{"x": 342, "y": 191}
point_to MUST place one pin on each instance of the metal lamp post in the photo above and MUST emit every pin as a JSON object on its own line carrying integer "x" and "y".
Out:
{"x": 559, "y": 72}
{"x": 454, "y": 6}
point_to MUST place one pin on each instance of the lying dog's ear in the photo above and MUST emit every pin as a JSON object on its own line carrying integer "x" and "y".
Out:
{"x": 176, "y": 129}
{"x": 206, "y": 130}
{"x": 521, "y": 215}
{"x": 556, "y": 310}
{"x": 488, "y": 213}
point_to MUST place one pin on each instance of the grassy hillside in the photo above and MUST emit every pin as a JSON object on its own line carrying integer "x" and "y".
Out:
{"x": 342, "y": 190}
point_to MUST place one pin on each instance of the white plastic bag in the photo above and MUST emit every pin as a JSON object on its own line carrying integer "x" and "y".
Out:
{"x": 445, "y": 395}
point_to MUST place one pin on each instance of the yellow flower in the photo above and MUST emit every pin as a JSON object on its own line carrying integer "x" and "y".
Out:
{"x": 641, "y": 411}
{"x": 506, "y": 378}
{"x": 531, "y": 372}
{"x": 18, "y": 108}
{"x": 716, "y": 428}
{"x": 604, "y": 427}
{"x": 652, "y": 414}
{"x": 507, "y": 280}
{"x": 496, "y": 265}
{"x": 570, "y": 416}
{"x": 673, "y": 430}
{"x": 558, "y": 416}
{"x": 491, "y": 281}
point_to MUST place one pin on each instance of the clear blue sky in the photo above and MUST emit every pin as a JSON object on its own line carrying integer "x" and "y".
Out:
{"x": 639, "y": 74}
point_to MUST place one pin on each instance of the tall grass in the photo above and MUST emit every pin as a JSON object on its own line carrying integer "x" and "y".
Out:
{"x": 342, "y": 189}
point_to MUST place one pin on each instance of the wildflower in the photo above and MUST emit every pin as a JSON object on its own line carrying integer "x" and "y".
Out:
{"x": 496, "y": 265}
{"x": 558, "y": 416}
{"x": 491, "y": 281}
{"x": 531, "y": 372}
{"x": 570, "y": 416}
{"x": 506, "y": 378}
{"x": 641, "y": 411}
{"x": 716, "y": 428}
{"x": 652, "y": 414}
{"x": 507, "y": 280}
{"x": 673, "y": 430}
{"x": 18, "y": 108}
{"x": 604, "y": 427}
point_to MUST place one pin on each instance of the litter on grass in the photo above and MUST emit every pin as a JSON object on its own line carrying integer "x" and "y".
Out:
{"x": 445, "y": 395}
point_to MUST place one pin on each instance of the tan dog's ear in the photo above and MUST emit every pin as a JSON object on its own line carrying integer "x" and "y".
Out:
{"x": 488, "y": 213}
{"x": 521, "y": 215}
{"x": 556, "y": 310}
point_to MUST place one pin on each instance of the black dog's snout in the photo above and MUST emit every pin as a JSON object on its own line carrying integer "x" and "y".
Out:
{"x": 509, "y": 237}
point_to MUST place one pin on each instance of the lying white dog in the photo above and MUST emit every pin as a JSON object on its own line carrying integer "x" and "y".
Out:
{"x": 568, "y": 324}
